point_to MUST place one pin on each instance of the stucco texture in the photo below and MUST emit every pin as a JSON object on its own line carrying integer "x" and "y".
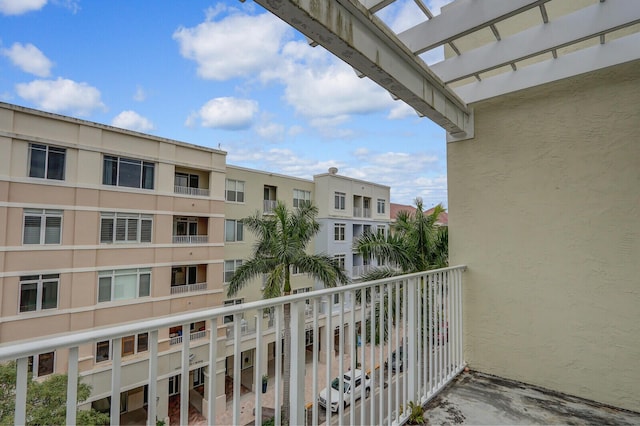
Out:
{"x": 544, "y": 209}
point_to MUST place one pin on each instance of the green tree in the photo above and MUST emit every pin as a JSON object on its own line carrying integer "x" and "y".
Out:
{"x": 416, "y": 244}
{"x": 281, "y": 244}
{"x": 46, "y": 400}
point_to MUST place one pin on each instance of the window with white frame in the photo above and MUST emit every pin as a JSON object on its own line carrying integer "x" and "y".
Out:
{"x": 123, "y": 284}
{"x": 233, "y": 230}
{"x": 198, "y": 376}
{"x": 381, "y": 206}
{"x": 295, "y": 270}
{"x": 229, "y": 318}
{"x": 339, "y": 231}
{"x": 125, "y": 228}
{"x": 303, "y": 290}
{"x": 42, "y": 226}
{"x": 128, "y": 172}
{"x": 103, "y": 351}
{"x": 183, "y": 275}
{"x": 186, "y": 180}
{"x": 42, "y": 365}
{"x": 174, "y": 385}
{"x": 382, "y": 231}
{"x": 135, "y": 343}
{"x": 39, "y": 292}
{"x": 46, "y": 162}
{"x": 301, "y": 197}
{"x": 230, "y": 267}
{"x": 340, "y": 258}
{"x": 185, "y": 226}
{"x": 235, "y": 191}
{"x": 340, "y": 200}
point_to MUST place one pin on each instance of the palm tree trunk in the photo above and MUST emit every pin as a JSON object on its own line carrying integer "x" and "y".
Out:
{"x": 286, "y": 371}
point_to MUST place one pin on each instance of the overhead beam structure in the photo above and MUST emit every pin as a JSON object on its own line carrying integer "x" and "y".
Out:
{"x": 351, "y": 32}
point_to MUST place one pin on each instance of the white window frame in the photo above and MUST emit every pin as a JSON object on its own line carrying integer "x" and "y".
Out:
{"x": 295, "y": 270}
{"x": 198, "y": 377}
{"x": 39, "y": 280}
{"x": 341, "y": 258}
{"x": 381, "y": 205}
{"x": 187, "y": 273}
{"x": 339, "y": 231}
{"x": 113, "y": 274}
{"x": 301, "y": 195}
{"x": 174, "y": 385}
{"x": 236, "y": 187}
{"x": 188, "y": 176}
{"x": 34, "y": 364}
{"x": 236, "y": 264}
{"x": 140, "y": 220}
{"x": 109, "y": 349}
{"x": 382, "y": 231}
{"x": 340, "y": 200}
{"x": 238, "y": 231}
{"x": 144, "y": 165}
{"x": 228, "y": 319}
{"x": 43, "y": 215}
{"x": 48, "y": 150}
{"x": 136, "y": 344}
{"x": 187, "y": 220}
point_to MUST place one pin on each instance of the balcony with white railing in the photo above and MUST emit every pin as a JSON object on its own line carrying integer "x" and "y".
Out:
{"x": 426, "y": 320}
{"x": 188, "y": 288}
{"x": 190, "y": 239}
{"x": 268, "y": 206}
{"x": 187, "y": 190}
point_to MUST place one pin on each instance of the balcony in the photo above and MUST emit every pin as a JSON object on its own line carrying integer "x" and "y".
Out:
{"x": 190, "y": 239}
{"x": 325, "y": 344}
{"x": 268, "y": 206}
{"x": 188, "y": 288}
{"x": 187, "y": 190}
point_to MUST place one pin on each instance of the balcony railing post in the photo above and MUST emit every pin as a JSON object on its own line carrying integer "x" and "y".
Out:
{"x": 411, "y": 340}
{"x": 297, "y": 402}
{"x": 152, "y": 389}
{"x": 211, "y": 379}
{"x": 20, "y": 413}
{"x": 184, "y": 375}
{"x": 72, "y": 386}
{"x": 116, "y": 352}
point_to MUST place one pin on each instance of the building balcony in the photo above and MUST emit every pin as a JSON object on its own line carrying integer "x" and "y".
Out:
{"x": 187, "y": 190}
{"x": 190, "y": 239}
{"x": 268, "y": 206}
{"x": 325, "y": 344}
{"x": 188, "y": 288}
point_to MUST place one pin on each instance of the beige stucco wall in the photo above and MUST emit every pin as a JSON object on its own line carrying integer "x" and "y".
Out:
{"x": 544, "y": 208}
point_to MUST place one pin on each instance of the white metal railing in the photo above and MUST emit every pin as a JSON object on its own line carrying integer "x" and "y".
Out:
{"x": 188, "y": 288}
{"x": 190, "y": 239}
{"x": 421, "y": 312}
{"x": 268, "y": 206}
{"x": 187, "y": 190}
{"x": 195, "y": 335}
{"x": 360, "y": 270}
{"x": 357, "y": 212}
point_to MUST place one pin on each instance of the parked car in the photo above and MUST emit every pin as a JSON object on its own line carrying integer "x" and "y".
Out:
{"x": 348, "y": 387}
{"x": 396, "y": 361}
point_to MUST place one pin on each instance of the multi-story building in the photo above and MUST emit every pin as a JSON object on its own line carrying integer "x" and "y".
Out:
{"x": 100, "y": 226}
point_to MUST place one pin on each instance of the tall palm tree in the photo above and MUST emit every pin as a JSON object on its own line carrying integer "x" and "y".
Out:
{"x": 416, "y": 244}
{"x": 281, "y": 243}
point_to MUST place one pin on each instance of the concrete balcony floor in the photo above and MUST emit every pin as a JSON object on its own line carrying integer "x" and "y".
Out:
{"x": 480, "y": 399}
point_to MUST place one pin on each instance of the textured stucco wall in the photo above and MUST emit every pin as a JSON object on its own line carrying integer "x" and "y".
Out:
{"x": 544, "y": 208}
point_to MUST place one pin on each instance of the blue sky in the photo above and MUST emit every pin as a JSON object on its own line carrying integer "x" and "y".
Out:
{"x": 221, "y": 73}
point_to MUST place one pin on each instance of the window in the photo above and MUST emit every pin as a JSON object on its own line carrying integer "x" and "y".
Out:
{"x": 42, "y": 365}
{"x": 229, "y": 318}
{"x": 135, "y": 344}
{"x": 233, "y": 230}
{"x": 339, "y": 200}
{"x": 185, "y": 226}
{"x": 125, "y": 228}
{"x": 230, "y": 267}
{"x": 198, "y": 376}
{"x": 300, "y": 197}
{"x": 39, "y": 292}
{"x": 295, "y": 270}
{"x": 339, "y": 258}
{"x": 46, "y": 162}
{"x": 186, "y": 180}
{"x": 235, "y": 191}
{"x": 123, "y": 284}
{"x": 103, "y": 351}
{"x": 303, "y": 290}
{"x": 182, "y": 275}
{"x": 381, "y": 204}
{"x": 120, "y": 171}
{"x": 174, "y": 385}
{"x": 381, "y": 231}
{"x": 42, "y": 226}
{"x": 338, "y": 231}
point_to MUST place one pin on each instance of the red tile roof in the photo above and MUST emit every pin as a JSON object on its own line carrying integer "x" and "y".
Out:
{"x": 443, "y": 219}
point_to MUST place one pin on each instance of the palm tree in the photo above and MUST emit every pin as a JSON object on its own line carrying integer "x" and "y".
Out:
{"x": 281, "y": 243}
{"x": 416, "y": 244}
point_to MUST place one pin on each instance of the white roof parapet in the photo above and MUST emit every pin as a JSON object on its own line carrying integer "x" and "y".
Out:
{"x": 565, "y": 30}
{"x": 350, "y": 31}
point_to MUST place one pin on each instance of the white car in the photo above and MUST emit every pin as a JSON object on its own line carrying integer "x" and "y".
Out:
{"x": 346, "y": 390}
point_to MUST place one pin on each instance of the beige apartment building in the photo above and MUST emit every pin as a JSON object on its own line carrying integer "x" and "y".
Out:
{"x": 100, "y": 226}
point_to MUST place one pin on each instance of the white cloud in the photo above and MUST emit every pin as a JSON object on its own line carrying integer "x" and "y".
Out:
{"x": 29, "y": 59}
{"x": 140, "y": 95}
{"x": 61, "y": 95}
{"x": 235, "y": 46}
{"x": 227, "y": 113}
{"x": 18, "y": 7}
{"x": 401, "y": 110}
{"x": 133, "y": 121}
{"x": 295, "y": 130}
{"x": 271, "y": 131}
